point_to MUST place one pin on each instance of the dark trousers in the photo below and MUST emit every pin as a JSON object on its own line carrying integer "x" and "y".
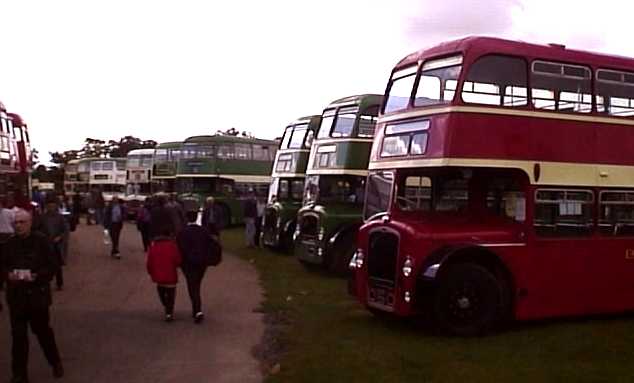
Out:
{"x": 115, "y": 232}
{"x": 167, "y": 295}
{"x": 145, "y": 236}
{"x": 194, "y": 276}
{"x": 39, "y": 321}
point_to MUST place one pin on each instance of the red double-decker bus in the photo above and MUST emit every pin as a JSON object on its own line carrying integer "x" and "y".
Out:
{"x": 8, "y": 156}
{"x": 501, "y": 186}
{"x": 20, "y": 135}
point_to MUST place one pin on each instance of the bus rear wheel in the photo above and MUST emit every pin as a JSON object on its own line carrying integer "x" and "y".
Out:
{"x": 469, "y": 300}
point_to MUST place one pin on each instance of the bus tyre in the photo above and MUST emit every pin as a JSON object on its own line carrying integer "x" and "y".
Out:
{"x": 469, "y": 300}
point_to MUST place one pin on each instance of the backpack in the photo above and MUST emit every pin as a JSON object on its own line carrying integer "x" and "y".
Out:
{"x": 215, "y": 253}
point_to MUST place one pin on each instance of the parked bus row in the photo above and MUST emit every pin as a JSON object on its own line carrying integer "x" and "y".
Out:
{"x": 223, "y": 166}
{"x": 496, "y": 185}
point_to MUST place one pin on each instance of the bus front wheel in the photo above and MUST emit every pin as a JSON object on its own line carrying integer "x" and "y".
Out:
{"x": 340, "y": 255}
{"x": 469, "y": 300}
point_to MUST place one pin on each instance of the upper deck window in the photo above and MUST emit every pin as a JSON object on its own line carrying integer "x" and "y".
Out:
{"x": 338, "y": 124}
{"x": 297, "y": 137}
{"x": 262, "y": 153}
{"x": 243, "y": 151}
{"x": 225, "y": 151}
{"x": 615, "y": 92}
{"x": 344, "y": 123}
{"x": 400, "y": 89}
{"x": 367, "y": 121}
{"x": 438, "y": 80}
{"x": 288, "y": 132}
{"x": 326, "y": 123}
{"x": 562, "y": 87}
{"x": 107, "y": 166}
{"x": 496, "y": 80}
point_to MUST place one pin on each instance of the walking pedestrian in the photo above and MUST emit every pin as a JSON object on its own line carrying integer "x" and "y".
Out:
{"x": 160, "y": 219}
{"x": 176, "y": 213}
{"x": 55, "y": 227}
{"x": 196, "y": 244}
{"x": 210, "y": 217}
{"x": 163, "y": 259}
{"x": 260, "y": 205}
{"x": 143, "y": 220}
{"x": 250, "y": 215}
{"x": 114, "y": 215}
{"x": 28, "y": 266}
{"x": 100, "y": 206}
{"x": 7, "y": 216}
{"x": 89, "y": 204}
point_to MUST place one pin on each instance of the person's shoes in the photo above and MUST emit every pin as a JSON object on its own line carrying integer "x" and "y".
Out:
{"x": 116, "y": 255}
{"x": 199, "y": 317}
{"x": 19, "y": 379}
{"x": 169, "y": 317}
{"x": 58, "y": 371}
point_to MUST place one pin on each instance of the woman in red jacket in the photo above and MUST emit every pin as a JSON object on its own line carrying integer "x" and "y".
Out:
{"x": 163, "y": 259}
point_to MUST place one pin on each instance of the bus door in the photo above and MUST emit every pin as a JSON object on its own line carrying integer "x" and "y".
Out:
{"x": 562, "y": 257}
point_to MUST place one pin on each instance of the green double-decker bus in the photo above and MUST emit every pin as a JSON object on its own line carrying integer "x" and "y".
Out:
{"x": 226, "y": 167}
{"x": 287, "y": 183}
{"x": 334, "y": 188}
{"x": 164, "y": 162}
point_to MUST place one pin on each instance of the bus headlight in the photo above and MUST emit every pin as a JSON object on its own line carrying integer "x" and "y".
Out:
{"x": 296, "y": 233}
{"x": 320, "y": 236}
{"x": 357, "y": 260}
{"x": 407, "y": 266}
{"x": 279, "y": 222}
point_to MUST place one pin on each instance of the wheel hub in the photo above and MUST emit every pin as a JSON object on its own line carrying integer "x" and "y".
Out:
{"x": 464, "y": 303}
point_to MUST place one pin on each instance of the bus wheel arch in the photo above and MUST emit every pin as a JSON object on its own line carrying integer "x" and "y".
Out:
{"x": 342, "y": 242}
{"x": 480, "y": 266}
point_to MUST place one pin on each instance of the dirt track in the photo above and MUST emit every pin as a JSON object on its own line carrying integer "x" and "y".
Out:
{"x": 109, "y": 328}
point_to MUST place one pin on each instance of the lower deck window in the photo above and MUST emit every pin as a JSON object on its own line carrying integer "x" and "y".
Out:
{"x": 616, "y": 213}
{"x": 561, "y": 213}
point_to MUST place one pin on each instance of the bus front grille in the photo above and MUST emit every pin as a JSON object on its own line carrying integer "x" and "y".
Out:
{"x": 270, "y": 218}
{"x": 308, "y": 226}
{"x": 382, "y": 256}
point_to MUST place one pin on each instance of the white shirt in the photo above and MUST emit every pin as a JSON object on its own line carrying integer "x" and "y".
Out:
{"x": 7, "y": 218}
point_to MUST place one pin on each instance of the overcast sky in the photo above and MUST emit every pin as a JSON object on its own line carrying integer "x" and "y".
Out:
{"x": 167, "y": 69}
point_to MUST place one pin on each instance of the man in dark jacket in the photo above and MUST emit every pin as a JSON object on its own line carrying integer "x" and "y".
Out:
{"x": 55, "y": 227}
{"x": 195, "y": 244}
{"x": 28, "y": 266}
{"x": 114, "y": 215}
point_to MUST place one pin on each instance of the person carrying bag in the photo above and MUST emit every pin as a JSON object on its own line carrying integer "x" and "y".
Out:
{"x": 199, "y": 249}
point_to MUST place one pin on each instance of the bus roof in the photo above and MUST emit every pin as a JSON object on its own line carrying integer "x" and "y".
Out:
{"x": 362, "y": 100}
{"x": 17, "y": 120}
{"x": 224, "y": 139}
{"x": 141, "y": 152}
{"x": 305, "y": 119}
{"x": 169, "y": 145}
{"x": 480, "y": 45}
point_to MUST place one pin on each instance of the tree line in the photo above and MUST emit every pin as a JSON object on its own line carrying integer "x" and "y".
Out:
{"x": 96, "y": 148}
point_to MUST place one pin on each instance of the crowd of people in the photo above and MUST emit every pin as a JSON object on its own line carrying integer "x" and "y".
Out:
{"x": 34, "y": 247}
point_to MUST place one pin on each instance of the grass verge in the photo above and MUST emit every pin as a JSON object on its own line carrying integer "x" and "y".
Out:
{"x": 320, "y": 334}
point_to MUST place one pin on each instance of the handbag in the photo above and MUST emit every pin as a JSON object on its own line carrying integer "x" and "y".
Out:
{"x": 214, "y": 257}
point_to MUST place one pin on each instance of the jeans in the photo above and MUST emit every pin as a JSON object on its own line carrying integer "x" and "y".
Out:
{"x": 249, "y": 231}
